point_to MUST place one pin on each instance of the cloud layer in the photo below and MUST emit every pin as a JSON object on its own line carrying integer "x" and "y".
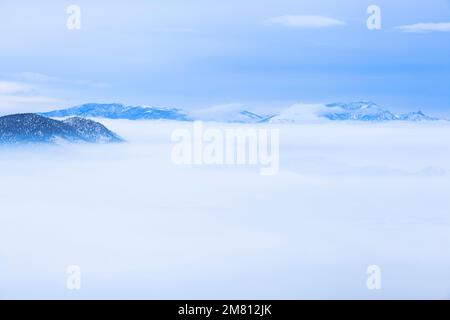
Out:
{"x": 347, "y": 196}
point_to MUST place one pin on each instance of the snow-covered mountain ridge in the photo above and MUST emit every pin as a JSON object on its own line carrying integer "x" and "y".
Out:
{"x": 235, "y": 113}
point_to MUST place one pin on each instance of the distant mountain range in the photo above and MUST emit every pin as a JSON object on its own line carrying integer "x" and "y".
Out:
{"x": 119, "y": 111}
{"x": 225, "y": 113}
{"x": 73, "y": 127}
{"x": 369, "y": 111}
{"x": 33, "y": 128}
{"x": 353, "y": 111}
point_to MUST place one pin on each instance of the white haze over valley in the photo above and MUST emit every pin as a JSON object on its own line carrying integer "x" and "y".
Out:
{"x": 347, "y": 196}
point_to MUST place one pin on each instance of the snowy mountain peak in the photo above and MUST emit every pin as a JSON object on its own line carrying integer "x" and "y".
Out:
{"x": 360, "y": 110}
{"x": 357, "y": 105}
{"x": 415, "y": 116}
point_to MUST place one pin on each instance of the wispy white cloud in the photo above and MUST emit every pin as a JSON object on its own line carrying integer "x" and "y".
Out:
{"x": 12, "y": 87}
{"x": 425, "y": 27}
{"x": 16, "y": 100}
{"x": 18, "y": 96}
{"x": 43, "y": 78}
{"x": 32, "y": 91}
{"x": 306, "y": 21}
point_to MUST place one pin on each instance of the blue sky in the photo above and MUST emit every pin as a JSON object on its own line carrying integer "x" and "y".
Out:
{"x": 200, "y": 53}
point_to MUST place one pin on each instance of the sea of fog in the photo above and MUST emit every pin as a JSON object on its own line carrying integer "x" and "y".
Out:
{"x": 347, "y": 196}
